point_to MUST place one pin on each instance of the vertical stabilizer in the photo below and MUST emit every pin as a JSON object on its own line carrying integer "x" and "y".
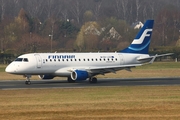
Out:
{"x": 140, "y": 44}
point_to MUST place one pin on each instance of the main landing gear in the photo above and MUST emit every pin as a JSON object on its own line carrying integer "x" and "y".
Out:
{"x": 28, "y": 82}
{"x": 93, "y": 80}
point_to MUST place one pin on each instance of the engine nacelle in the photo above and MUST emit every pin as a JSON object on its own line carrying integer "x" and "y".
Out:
{"x": 46, "y": 77}
{"x": 79, "y": 75}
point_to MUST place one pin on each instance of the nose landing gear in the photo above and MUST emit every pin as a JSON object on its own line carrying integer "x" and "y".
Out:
{"x": 27, "y": 82}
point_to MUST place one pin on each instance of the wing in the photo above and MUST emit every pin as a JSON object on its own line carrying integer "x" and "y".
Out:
{"x": 109, "y": 69}
{"x": 93, "y": 70}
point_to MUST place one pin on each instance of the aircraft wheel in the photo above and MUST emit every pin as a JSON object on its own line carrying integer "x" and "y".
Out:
{"x": 93, "y": 80}
{"x": 70, "y": 80}
{"x": 27, "y": 82}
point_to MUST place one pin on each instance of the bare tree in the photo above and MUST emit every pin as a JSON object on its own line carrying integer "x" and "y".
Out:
{"x": 117, "y": 7}
{"x": 49, "y": 7}
{"x": 58, "y": 7}
{"x": 138, "y": 6}
{"x": 76, "y": 9}
{"x": 14, "y": 6}
{"x": 152, "y": 7}
{"x": 98, "y": 4}
{"x": 16, "y": 2}
{"x": 62, "y": 9}
{"x": 124, "y": 4}
{"x": 122, "y": 8}
{"x": 130, "y": 9}
{"x": 35, "y": 7}
{"x": 64, "y": 13}
{"x": 2, "y": 4}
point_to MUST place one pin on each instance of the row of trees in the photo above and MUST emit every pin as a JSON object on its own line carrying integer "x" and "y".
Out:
{"x": 42, "y": 25}
{"x": 128, "y": 10}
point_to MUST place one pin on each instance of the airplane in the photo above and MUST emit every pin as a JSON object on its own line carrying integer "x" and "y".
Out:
{"x": 83, "y": 66}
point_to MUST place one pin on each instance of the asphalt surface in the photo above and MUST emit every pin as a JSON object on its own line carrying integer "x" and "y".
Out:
{"x": 42, "y": 84}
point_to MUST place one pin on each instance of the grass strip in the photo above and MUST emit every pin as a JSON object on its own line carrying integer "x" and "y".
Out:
{"x": 155, "y": 102}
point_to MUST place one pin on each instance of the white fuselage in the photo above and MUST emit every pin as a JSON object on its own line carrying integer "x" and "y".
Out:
{"x": 62, "y": 64}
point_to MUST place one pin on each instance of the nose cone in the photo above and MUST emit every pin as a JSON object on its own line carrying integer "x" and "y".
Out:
{"x": 9, "y": 69}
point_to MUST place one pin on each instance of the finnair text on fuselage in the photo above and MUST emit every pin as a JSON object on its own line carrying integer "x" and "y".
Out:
{"x": 61, "y": 56}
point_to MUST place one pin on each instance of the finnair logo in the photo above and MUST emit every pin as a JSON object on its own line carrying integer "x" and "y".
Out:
{"x": 141, "y": 39}
{"x": 61, "y": 56}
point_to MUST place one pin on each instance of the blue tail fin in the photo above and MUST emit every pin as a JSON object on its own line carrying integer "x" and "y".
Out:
{"x": 141, "y": 43}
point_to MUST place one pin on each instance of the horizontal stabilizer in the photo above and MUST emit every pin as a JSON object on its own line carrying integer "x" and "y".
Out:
{"x": 151, "y": 59}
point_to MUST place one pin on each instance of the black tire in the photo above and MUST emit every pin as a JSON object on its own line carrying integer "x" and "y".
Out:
{"x": 28, "y": 82}
{"x": 93, "y": 80}
{"x": 70, "y": 80}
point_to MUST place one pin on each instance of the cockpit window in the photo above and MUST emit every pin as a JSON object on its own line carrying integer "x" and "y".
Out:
{"x": 25, "y": 60}
{"x": 18, "y": 59}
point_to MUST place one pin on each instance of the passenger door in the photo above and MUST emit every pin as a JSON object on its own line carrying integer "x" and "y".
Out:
{"x": 38, "y": 60}
{"x": 121, "y": 59}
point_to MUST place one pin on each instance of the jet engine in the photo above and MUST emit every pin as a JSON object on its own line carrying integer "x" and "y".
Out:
{"x": 46, "y": 77}
{"x": 79, "y": 75}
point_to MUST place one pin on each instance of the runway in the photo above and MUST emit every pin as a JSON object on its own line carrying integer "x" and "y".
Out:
{"x": 42, "y": 84}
